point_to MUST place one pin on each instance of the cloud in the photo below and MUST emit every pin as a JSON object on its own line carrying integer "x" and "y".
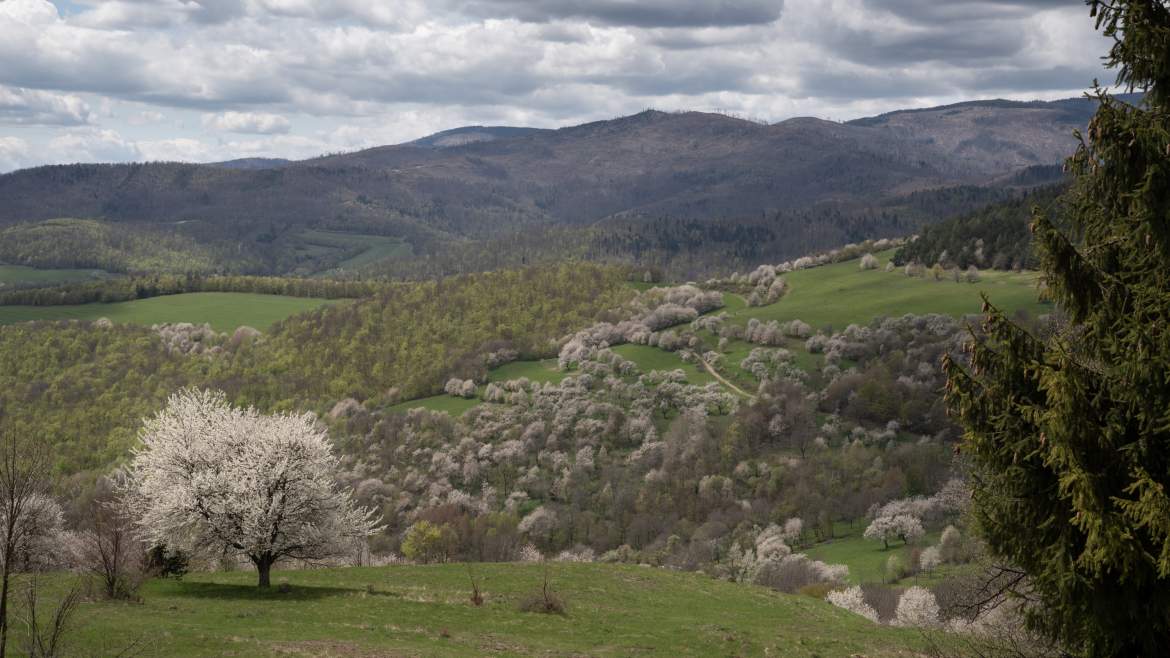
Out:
{"x": 30, "y": 106}
{"x": 14, "y": 154}
{"x": 258, "y": 123}
{"x": 92, "y": 145}
{"x": 191, "y": 79}
{"x": 638, "y": 13}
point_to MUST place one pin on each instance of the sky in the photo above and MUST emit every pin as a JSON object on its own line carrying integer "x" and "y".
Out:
{"x": 208, "y": 80}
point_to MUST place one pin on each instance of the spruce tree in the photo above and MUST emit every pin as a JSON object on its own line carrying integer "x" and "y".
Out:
{"x": 1069, "y": 434}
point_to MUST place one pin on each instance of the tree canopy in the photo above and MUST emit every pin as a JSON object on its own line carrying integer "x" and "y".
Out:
{"x": 1069, "y": 434}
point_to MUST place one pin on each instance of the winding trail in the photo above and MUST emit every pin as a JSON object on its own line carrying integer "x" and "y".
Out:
{"x": 723, "y": 380}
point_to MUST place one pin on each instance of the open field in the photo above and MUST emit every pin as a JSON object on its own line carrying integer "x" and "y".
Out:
{"x": 652, "y": 358}
{"x": 224, "y": 311}
{"x": 865, "y": 557}
{"x": 424, "y": 610}
{"x": 537, "y": 371}
{"x": 13, "y": 274}
{"x": 841, "y": 294}
{"x": 373, "y": 248}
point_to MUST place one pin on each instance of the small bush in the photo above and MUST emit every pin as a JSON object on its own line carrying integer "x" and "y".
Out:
{"x": 816, "y": 590}
{"x": 544, "y": 600}
{"x": 884, "y": 600}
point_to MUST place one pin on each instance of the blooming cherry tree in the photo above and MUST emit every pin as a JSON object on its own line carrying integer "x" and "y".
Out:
{"x": 210, "y": 476}
{"x": 899, "y": 526}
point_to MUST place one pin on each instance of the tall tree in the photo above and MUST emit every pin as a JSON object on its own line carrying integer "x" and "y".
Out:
{"x": 213, "y": 477}
{"x": 27, "y": 513}
{"x": 1070, "y": 434}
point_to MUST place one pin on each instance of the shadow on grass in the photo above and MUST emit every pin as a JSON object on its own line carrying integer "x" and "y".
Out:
{"x": 253, "y": 593}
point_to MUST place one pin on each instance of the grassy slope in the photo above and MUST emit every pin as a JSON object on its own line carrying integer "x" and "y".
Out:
{"x": 841, "y": 294}
{"x": 652, "y": 358}
{"x": 866, "y": 557}
{"x": 423, "y": 610}
{"x": 376, "y": 248}
{"x": 536, "y": 371}
{"x": 223, "y": 310}
{"x": 22, "y": 274}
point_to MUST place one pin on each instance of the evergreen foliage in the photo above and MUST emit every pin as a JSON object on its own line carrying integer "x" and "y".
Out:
{"x": 1070, "y": 434}
{"x": 994, "y": 237}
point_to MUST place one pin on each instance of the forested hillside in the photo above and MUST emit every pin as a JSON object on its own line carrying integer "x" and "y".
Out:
{"x": 996, "y": 236}
{"x": 84, "y": 386}
{"x": 817, "y": 183}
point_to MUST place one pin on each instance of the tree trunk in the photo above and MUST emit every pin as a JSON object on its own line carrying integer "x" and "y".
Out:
{"x": 263, "y": 568}
{"x": 4, "y": 611}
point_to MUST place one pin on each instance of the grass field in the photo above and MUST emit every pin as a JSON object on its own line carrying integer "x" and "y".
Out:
{"x": 652, "y": 358}
{"x": 841, "y": 294}
{"x": 374, "y": 248}
{"x": 865, "y": 557}
{"x": 12, "y": 274}
{"x": 424, "y": 611}
{"x": 224, "y": 311}
{"x": 537, "y": 371}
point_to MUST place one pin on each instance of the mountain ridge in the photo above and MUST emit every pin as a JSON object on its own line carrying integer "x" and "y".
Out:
{"x": 485, "y": 182}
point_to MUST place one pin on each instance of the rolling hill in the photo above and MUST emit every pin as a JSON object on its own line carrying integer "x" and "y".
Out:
{"x": 482, "y": 183}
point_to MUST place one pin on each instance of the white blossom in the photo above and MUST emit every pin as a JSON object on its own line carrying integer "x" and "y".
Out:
{"x": 209, "y": 476}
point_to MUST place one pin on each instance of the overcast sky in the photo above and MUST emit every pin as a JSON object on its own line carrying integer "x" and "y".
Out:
{"x": 204, "y": 80}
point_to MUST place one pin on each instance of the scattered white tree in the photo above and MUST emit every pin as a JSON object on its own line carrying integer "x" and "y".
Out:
{"x": 869, "y": 262}
{"x": 899, "y": 526}
{"x": 930, "y": 558}
{"x": 210, "y": 476}
{"x": 951, "y": 545}
{"x": 917, "y": 609}
{"x": 530, "y": 553}
{"x": 793, "y": 528}
{"x": 853, "y": 600}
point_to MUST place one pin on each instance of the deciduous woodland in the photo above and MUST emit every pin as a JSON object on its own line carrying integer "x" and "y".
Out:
{"x": 499, "y": 400}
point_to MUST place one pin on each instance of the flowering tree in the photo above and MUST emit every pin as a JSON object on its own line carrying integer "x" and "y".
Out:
{"x": 900, "y": 526}
{"x": 917, "y": 609}
{"x": 212, "y": 476}
{"x": 853, "y": 600}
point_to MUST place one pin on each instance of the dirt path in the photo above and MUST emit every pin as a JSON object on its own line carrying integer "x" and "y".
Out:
{"x": 722, "y": 380}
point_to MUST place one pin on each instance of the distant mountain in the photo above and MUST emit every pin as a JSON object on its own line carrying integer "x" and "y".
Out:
{"x": 252, "y": 163}
{"x": 472, "y": 134}
{"x": 482, "y": 182}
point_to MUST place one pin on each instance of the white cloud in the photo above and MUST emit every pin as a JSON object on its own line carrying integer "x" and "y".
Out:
{"x": 92, "y": 145}
{"x": 14, "y": 154}
{"x": 163, "y": 73}
{"x": 18, "y": 105}
{"x": 259, "y": 123}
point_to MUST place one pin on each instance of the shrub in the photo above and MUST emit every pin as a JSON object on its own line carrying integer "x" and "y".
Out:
{"x": 816, "y": 590}
{"x": 951, "y": 546}
{"x": 427, "y": 542}
{"x": 853, "y": 600}
{"x": 883, "y": 599}
{"x": 869, "y": 262}
{"x": 545, "y": 600}
{"x": 896, "y": 569}
{"x": 917, "y": 609}
{"x": 930, "y": 558}
{"x": 530, "y": 553}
